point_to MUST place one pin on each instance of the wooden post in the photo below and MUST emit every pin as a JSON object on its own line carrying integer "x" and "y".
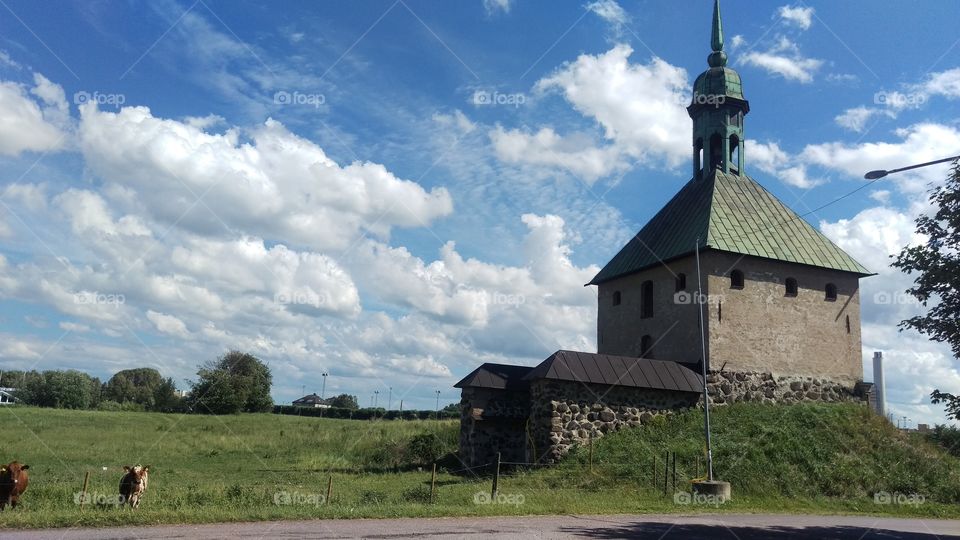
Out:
{"x": 496, "y": 480}
{"x": 433, "y": 482}
{"x": 329, "y": 488}
{"x": 654, "y": 471}
{"x": 674, "y": 472}
{"x": 83, "y": 492}
{"x": 591, "y": 452}
{"x": 697, "y": 470}
{"x": 666, "y": 471}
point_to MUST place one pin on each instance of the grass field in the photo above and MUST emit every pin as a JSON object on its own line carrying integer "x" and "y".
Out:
{"x": 258, "y": 467}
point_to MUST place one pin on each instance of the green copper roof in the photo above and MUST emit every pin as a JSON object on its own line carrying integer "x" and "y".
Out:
{"x": 730, "y": 213}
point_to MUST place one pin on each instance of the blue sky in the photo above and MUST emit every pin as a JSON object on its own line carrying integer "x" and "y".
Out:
{"x": 396, "y": 191}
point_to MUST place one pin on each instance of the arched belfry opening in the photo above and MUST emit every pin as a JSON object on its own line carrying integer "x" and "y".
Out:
{"x": 717, "y": 109}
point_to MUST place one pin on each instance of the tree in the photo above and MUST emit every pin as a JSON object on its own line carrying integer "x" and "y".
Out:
{"x": 344, "y": 401}
{"x": 937, "y": 263}
{"x": 235, "y": 382}
{"x": 143, "y": 386}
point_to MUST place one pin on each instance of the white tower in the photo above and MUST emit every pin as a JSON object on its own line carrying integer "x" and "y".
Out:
{"x": 880, "y": 391}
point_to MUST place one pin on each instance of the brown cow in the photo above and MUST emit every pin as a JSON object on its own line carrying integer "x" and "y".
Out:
{"x": 13, "y": 482}
{"x": 133, "y": 484}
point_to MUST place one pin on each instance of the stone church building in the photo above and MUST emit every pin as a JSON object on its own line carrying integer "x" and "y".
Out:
{"x": 780, "y": 306}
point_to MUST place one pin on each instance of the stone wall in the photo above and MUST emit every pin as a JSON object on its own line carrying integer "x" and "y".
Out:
{"x": 564, "y": 414}
{"x": 759, "y": 328}
{"x": 493, "y": 421}
{"x": 732, "y": 387}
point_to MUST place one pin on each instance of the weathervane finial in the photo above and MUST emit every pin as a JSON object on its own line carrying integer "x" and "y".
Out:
{"x": 717, "y": 58}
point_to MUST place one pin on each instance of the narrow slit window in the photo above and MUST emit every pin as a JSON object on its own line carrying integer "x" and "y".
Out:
{"x": 616, "y": 298}
{"x": 681, "y": 282}
{"x": 646, "y": 347}
{"x": 646, "y": 300}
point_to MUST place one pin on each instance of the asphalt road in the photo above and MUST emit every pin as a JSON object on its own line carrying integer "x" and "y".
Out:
{"x": 737, "y": 527}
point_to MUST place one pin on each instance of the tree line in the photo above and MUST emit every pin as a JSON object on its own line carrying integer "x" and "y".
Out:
{"x": 233, "y": 383}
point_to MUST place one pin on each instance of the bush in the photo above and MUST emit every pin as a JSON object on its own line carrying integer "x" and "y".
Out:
{"x": 426, "y": 448}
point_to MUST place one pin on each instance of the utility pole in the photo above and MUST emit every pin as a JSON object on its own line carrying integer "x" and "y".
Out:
{"x": 323, "y": 389}
{"x": 376, "y": 397}
{"x": 438, "y": 405}
{"x": 390, "y": 399}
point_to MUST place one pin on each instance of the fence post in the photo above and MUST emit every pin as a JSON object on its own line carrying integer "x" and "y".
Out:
{"x": 496, "y": 479}
{"x": 433, "y": 482}
{"x": 329, "y": 488}
{"x": 83, "y": 492}
{"x": 697, "y": 470}
{"x": 674, "y": 472}
{"x": 666, "y": 471}
{"x": 591, "y": 452}
{"x": 654, "y": 471}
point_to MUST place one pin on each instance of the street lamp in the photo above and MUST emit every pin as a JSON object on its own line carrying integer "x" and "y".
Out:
{"x": 438, "y": 405}
{"x": 376, "y": 396}
{"x": 323, "y": 389}
{"x": 876, "y": 175}
{"x": 390, "y": 399}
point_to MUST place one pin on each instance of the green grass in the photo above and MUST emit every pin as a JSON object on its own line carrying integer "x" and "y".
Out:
{"x": 802, "y": 458}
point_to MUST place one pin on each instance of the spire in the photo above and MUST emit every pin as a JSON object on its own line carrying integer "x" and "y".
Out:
{"x": 717, "y": 58}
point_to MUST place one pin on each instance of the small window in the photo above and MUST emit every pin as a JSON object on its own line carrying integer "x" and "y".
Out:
{"x": 848, "y": 324}
{"x": 736, "y": 279}
{"x": 681, "y": 282}
{"x": 831, "y": 292}
{"x": 791, "y": 287}
{"x": 646, "y": 300}
{"x": 616, "y": 298}
{"x": 646, "y": 347}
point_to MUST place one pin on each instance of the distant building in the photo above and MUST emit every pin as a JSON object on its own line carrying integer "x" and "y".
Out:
{"x": 312, "y": 400}
{"x": 780, "y": 305}
{"x": 6, "y": 396}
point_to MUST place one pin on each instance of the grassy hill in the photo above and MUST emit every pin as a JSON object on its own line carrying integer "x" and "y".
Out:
{"x": 800, "y": 458}
{"x": 801, "y": 451}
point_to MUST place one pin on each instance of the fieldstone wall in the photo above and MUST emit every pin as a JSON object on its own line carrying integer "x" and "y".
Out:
{"x": 564, "y": 414}
{"x": 732, "y": 387}
{"x": 493, "y": 421}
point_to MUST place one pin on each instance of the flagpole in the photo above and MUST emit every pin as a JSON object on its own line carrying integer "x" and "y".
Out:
{"x": 703, "y": 365}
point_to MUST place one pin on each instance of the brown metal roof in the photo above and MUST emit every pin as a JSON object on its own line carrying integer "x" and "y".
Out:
{"x": 615, "y": 370}
{"x": 496, "y": 376}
